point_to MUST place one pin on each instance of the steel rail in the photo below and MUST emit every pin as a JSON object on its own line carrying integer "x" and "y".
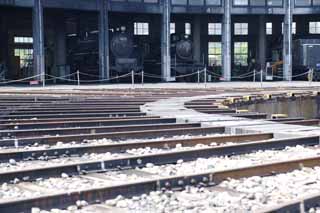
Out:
{"x": 121, "y": 147}
{"x": 87, "y": 122}
{"x": 94, "y": 195}
{"x": 156, "y": 159}
{"x": 17, "y": 121}
{"x": 18, "y": 112}
{"x": 70, "y": 114}
{"x": 92, "y": 130}
{"x": 145, "y": 134}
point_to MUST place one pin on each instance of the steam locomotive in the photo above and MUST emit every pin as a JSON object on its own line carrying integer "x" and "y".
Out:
{"x": 126, "y": 56}
{"x": 182, "y": 58}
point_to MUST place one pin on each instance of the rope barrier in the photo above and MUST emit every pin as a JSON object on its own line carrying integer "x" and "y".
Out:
{"x": 19, "y": 80}
{"x": 52, "y": 77}
{"x": 142, "y": 73}
{"x": 186, "y": 75}
{"x": 90, "y": 75}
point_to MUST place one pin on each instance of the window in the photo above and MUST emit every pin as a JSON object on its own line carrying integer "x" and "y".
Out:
{"x": 240, "y": 2}
{"x": 187, "y": 29}
{"x": 172, "y": 28}
{"x": 214, "y": 28}
{"x": 213, "y": 2}
{"x": 274, "y": 2}
{"x": 294, "y": 28}
{"x": 196, "y": 2}
{"x": 214, "y": 56}
{"x": 257, "y": 3}
{"x": 23, "y": 40}
{"x": 179, "y": 2}
{"x": 303, "y": 2}
{"x": 241, "y": 53}
{"x": 25, "y": 55}
{"x": 314, "y": 27}
{"x": 241, "y": 28}
{"x": 269, "y": 28}
{"x": 141, "y": 28}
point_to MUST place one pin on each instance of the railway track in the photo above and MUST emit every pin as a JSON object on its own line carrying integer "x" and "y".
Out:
{"x": 54, "y": 153}
{"x": 109, "y": 187}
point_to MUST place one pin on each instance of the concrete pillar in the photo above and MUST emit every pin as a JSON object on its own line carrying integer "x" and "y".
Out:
{"x": 3, "y": 37}
{"x": 287, "y": 41}
{"x": 165, "y": 42}
{"x": 226, "y": 41}
{"x": 104, "y": 71}
{"x": 60, "y": 47}
{"x": 262, "y": 42}
{"x": 38, "y": 40}
{"x": 196, "y": 34}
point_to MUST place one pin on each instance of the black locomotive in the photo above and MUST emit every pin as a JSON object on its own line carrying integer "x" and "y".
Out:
{"x": 182, "y": 60}
{"x": 126, "y": 56}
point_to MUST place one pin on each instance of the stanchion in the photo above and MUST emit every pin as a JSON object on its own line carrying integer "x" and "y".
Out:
{"x": 43, "y": 76}
{"x": 198, "y": 76}
{"x": 310, "y": 76}
{"x": 142, "y": 77}
{"x": 261, "y": 77}
{"x": 254, "y": 75}
{"x": 205, "y": 77}
{"x": 78, "y": 77}
{"x": 132, "y": 78}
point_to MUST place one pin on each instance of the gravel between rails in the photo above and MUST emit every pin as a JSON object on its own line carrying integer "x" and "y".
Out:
{"x": 103, "y": 141}
{"x": 251, "y": 194}
{"x": 66, "y": 183}
{"x": 44, "y": 161}
{"x": 243, "y": 195}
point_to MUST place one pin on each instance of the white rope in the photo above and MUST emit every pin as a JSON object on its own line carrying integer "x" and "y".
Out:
{"x": 214, "y": 74}
{"x": 108, "y": 79}
{"x": 19, "y": 80}
{"x": 52, "y": 77}
{"x": 301, "y": 74}
{"x": 60, "y": 78}
{"x": 186, "y": 75}
{"x": 90, "y": 75}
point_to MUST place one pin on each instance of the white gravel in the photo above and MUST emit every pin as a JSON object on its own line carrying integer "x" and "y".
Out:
{"x": 244, "y": 195}
{"x": 236, "y": 161}
{"x": 44, "y": 161}
{"x": 181, "y": 168}
{"x": 104, "y": 141}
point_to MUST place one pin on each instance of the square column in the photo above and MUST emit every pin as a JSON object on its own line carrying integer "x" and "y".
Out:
{"x": 104, "y": 71}
{"x": 38, "y": 40}
{"x": 226, "y": 41}
{"x": 287, "y": 41}
{"x": 262, "y": 42}
{"x": 165, "y": 42}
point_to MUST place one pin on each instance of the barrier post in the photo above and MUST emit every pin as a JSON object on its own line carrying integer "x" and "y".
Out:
{"x": 310, "y": 76}
{"x": 205, "y": 76}
{"x": 132, "y": 78}
{"x": 261, "y": 77}
{"x": 43, "y": 79}
{"x": 254, "y": 75}
{"x": 78, "y": 77}
{"x": 142, "y": 77}
{"x": 198, "y": 76}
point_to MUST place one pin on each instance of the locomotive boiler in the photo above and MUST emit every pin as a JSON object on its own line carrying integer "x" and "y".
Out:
{"x": 126, "y": 56}
{"x": 182, "y": 57}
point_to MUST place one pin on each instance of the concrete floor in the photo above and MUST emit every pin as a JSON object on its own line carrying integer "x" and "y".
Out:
{"x": 218, "y": 85}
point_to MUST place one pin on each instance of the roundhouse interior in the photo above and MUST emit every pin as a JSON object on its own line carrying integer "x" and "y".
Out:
{"x": 61, "y": 37}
